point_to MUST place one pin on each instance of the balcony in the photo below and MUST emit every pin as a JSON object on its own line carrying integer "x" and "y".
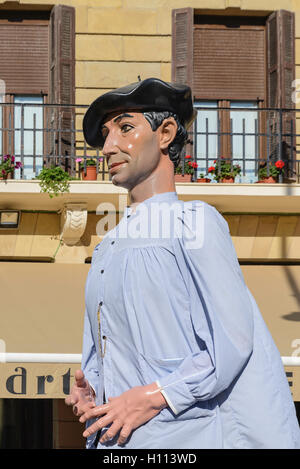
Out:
{"x": 42, "y": 135}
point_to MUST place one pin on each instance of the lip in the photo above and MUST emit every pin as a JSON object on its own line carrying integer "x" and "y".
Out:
{"x": 117, "y": 164}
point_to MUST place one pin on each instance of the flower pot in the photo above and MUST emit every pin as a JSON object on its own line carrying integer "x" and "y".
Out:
{"x": 183, "y": 177}
{"x": 90, "y": 173}
{"x": 268, "y": 180}
{"x": 7, "y": 176}
{"x": 227, "y": 180}
{"x": 206, "y": 180}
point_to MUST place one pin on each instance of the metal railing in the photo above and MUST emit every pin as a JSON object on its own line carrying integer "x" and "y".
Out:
{"x": 40, "y": 135}
{"x": 252, "y": 137}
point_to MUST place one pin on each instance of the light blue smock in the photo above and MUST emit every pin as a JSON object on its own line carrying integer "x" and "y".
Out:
{"x": 180, "y": 314}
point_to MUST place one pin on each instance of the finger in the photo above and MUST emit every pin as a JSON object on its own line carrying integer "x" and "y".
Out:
{"x": 111, "y": 432}
{"x": 80, "y": 379}
{"x": 95, "y": 412}
{"x": 72, "y": 399}
{"x": 124, "y": 434}
{"x": 98, "y": 425}
{"x": 68, "y": 400}
{"x": 81, "y": 409}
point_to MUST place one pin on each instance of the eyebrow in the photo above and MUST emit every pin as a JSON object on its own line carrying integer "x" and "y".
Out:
{"x": 122, "y": 116}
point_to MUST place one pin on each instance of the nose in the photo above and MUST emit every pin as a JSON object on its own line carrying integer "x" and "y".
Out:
{"x": 110, "y": 146}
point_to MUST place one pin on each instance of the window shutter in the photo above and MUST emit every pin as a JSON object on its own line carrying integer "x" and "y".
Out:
{"x": 182, "y": 46}
{"x": 288, "y": 56}
{"x": 274, "y": 97}
{"x": 281, "y": 73}
{"x": 62, "y": 82}
{"x": 229, "y": 63}
{"x": 182, "y": 54}
{"x": 24, "y": 56}
{"x": 62, "y": 55}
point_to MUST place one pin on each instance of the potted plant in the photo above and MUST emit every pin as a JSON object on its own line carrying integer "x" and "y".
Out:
{"x": 203, "y": 178}
{"x": 224, "y": 171}
{"x": 88, "y": 168}
{"x": 188, "y": 170}
{"x": 54, "y": 181}
{"x": 8, "y": 164}
{"x": 274, "y": 171}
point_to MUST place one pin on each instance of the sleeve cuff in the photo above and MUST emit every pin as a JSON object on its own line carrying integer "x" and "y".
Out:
{"x": 167, "y": 399}
{"x": 91, "y": 386}
{"x": 176, "y": 392}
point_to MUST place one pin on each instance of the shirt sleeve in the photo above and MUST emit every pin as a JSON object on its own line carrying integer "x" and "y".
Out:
{"x": 221, "y": 310}
{"x": 89, "y": 357}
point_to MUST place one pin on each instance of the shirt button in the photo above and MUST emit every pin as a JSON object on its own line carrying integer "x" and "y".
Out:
{"x": 102, "y": 271}
{"x": 128, "y": 216}
{"x": 112, "y": 242}
{"x": 101, "y": 303}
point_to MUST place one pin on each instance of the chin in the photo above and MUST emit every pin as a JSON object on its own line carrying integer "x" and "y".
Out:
{"x": 119, "y": 182}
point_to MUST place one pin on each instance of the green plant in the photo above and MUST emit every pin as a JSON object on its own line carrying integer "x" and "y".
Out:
{"x": 87, "y": 162}
{"x": 189, "y": 166}
{"x": 8, "y": 165}
{"x": 54, "y": 180}
{"x": 274, "y": 170}
{"x": 224, "y": 169}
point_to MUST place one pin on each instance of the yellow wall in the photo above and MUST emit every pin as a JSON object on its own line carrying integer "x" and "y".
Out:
{"x": 263, "y": 237}
{"x": 117, "y": 40}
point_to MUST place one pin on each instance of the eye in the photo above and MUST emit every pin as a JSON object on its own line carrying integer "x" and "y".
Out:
{"x": 125, "y": 128}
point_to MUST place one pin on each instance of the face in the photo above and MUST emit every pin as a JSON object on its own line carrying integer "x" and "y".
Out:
{"x": 131, "y": 147}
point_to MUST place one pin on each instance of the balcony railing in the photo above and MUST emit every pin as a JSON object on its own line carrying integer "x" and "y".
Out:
{"x": 249, "y": 136}
{"x": 42, "y": 135}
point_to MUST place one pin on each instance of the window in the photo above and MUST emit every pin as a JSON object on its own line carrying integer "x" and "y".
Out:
{"x": 31, "y": 143}
{"x": 238, "y": 61}
{"x": 29, "y": 42}
{"x": 244, "y": 146}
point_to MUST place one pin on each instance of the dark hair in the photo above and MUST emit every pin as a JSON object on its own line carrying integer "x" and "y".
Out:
{"x": 155, "y": 119}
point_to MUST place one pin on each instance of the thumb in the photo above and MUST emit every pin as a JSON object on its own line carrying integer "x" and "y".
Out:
{"x": 80, "y": 379}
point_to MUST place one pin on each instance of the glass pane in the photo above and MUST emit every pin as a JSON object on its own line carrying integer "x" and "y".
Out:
{"x": 243, "y": 146}
{"x": 206, "y": 139}
{"x": 1, "y": 114}
{"x": 33, "y": 140}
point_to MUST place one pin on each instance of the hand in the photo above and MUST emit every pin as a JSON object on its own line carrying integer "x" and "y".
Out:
{"x": 81, "y": 396}
{"x": 125, "y": 412}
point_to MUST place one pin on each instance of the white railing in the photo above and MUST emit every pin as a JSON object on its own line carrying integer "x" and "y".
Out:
{"x": 76, "y": 358}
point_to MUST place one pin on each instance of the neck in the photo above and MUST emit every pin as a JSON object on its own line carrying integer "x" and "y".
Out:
{"x": 161, "y": 180}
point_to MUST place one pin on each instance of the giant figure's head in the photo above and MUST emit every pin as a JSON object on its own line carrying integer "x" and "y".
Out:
{"x": 131, "y": 125}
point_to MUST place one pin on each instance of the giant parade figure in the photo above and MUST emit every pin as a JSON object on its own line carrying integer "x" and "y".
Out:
{"x": 175, "y": 351}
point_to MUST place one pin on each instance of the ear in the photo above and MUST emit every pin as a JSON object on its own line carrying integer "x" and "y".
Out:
{"x": 167, "y": 130}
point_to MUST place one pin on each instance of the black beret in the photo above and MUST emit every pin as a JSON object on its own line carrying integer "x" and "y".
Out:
{"x": 151, "y": 94}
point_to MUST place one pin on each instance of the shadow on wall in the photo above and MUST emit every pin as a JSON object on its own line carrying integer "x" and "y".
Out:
{"x": 292, "y": 316}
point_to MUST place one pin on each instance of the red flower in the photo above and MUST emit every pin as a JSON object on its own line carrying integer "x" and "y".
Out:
{"x": 190, "y": 163}
{"x": 187, "y": 157}
{"x": 194, "y": 165}
{"x": 279, "y": 164}
{"x": 211, "y": 169}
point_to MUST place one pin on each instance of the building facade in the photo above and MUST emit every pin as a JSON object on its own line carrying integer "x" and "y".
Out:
{"x": 242, "y": 62}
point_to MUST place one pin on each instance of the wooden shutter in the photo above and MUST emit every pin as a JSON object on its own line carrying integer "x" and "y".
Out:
{"x": 182, "y": 46}
{"x": 281, "y": 58}
{"x": 281, "y": 73}
{"x": 24, "y": 56}
{"x": 62, "y": 82}
{"x": 229, "y": 63}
